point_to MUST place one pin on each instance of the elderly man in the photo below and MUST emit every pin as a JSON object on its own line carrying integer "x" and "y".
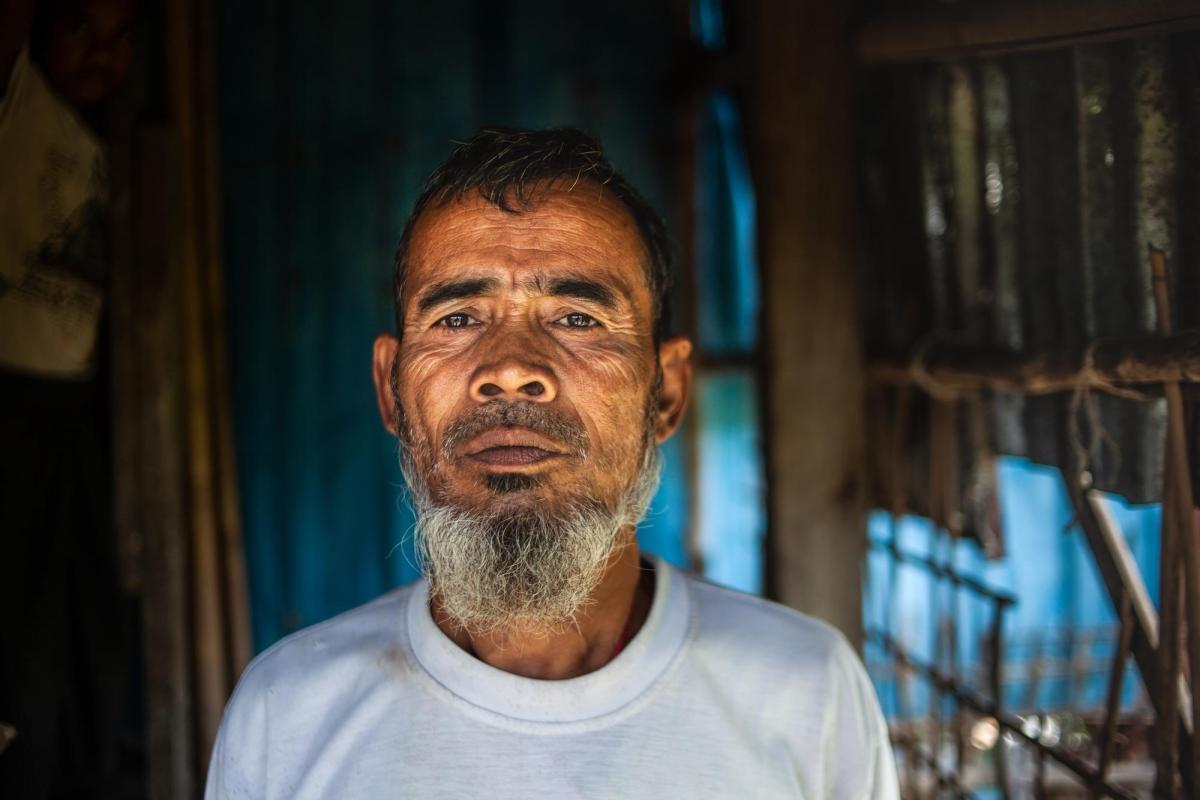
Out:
{"x": 529, "y": 386}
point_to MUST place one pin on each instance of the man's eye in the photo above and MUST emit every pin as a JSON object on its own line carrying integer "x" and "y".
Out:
{"x": 455, "y": 321}
{"x": 577, "y": 320}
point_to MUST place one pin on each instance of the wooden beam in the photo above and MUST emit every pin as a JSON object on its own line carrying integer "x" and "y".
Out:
{"x": 799, "y": 133}
{"x": 946, "y": 32}
{"x": 1137, "y": 361}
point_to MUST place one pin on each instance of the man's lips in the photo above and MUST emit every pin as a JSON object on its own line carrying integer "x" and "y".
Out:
{"x": 512, "y": 447}
{"x": 512, "y": 456}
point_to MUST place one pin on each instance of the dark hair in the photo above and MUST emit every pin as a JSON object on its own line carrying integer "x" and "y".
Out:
{"x": 509, "y": 166}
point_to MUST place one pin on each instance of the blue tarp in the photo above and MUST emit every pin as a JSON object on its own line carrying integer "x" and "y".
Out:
{"x": 1047, "y": 567}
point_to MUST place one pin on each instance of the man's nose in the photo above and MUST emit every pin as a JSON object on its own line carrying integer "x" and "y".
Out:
{"x": 513, "y": 378}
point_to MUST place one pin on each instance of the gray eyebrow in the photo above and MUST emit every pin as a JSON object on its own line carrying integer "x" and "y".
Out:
{"x": 455, "y": 290}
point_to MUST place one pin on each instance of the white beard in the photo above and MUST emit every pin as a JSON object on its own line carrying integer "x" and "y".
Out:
{"x": 530, "y": 568}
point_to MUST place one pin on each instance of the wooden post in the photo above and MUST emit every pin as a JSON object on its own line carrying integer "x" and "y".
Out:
{"x": 799, "y": 136}
{"x": 219, "y": 609}
{"x": 1167, "y": 721}
{"x": 1178, "y": 479}
{"x": 150, "y": 478}
{"x": 174, "y": 477}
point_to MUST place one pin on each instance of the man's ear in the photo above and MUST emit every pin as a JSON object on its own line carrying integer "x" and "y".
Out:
{"x": 673, "y": 359}
{"x": 383, "y": 361}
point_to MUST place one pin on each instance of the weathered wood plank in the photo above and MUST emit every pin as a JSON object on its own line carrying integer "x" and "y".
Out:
{"x": 945, "y": 32}
{"x": 799, "y": 136}
{"x": 157, "y": 481}
{"x": 1143, "y": 361}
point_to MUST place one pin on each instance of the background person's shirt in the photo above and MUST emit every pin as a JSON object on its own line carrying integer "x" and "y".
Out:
{"x": 718, "y": 695}
{"x": 52, "y": 242}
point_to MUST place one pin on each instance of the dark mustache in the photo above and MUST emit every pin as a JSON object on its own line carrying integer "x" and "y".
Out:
{"x": 537, "y": 417}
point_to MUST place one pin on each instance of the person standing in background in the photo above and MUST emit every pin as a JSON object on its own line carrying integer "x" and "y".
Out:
{"x": 60, "y": 613}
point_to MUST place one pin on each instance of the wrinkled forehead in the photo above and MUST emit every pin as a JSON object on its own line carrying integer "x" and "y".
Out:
{"x": 579, "y": 229}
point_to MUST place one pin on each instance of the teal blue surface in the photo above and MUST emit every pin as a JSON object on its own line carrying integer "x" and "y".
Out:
{"x": 330, "y": 117}
{"x": 707, "y": 23}
{"x": 727, "y": 285}
{"x": 730, "y": 524}
{"x": 730, "y": 482}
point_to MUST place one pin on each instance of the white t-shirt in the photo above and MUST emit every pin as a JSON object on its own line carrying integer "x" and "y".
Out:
{"x": 718, "y": 695}
{"x": 52, "y": 259}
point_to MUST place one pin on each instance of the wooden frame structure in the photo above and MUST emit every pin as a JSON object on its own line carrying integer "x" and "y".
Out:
{"x": 1147, "y": 361}
{"x": 1147, "y": 367}
{"x": 1165, "y": 361}
{"x": 991, "y": 29}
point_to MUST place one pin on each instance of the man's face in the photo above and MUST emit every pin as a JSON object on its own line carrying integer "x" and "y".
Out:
{"x": 529, "y": 400}
{"x": 88, "y": 47}
{"x": 526, "y": 364}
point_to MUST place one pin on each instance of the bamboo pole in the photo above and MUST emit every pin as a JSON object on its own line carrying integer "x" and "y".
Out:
{"x": 216, "y": 615}
{"x": 1167, "y": 727}
{"x": 1184, "y": 534}
{"x": 208, "y": 640}
{"x": 233, "y": 586}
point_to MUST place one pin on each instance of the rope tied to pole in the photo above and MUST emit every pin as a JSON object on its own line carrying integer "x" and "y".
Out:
{"x": 1086, "y": 379}
{"x": 919, "y": 374}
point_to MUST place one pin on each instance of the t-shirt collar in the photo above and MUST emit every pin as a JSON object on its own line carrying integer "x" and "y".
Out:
{"x": 603, "y": 691}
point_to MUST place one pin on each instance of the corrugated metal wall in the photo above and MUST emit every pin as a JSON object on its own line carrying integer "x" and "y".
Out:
{"x": 1009, "y": 203}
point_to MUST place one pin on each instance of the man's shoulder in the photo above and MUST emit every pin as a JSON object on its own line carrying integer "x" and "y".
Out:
{"x": 800, "y": 681}
{"x": 753, "y": 628}
{"x": 327, "y": 651}
{"x": 299, "y": 688}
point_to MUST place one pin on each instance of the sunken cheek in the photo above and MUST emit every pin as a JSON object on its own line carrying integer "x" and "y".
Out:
{"x": 431, "y": 393}
{"x": 610, "y": 395}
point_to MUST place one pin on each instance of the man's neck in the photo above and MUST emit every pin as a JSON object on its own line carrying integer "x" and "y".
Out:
{"x": 619, "y": 605}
